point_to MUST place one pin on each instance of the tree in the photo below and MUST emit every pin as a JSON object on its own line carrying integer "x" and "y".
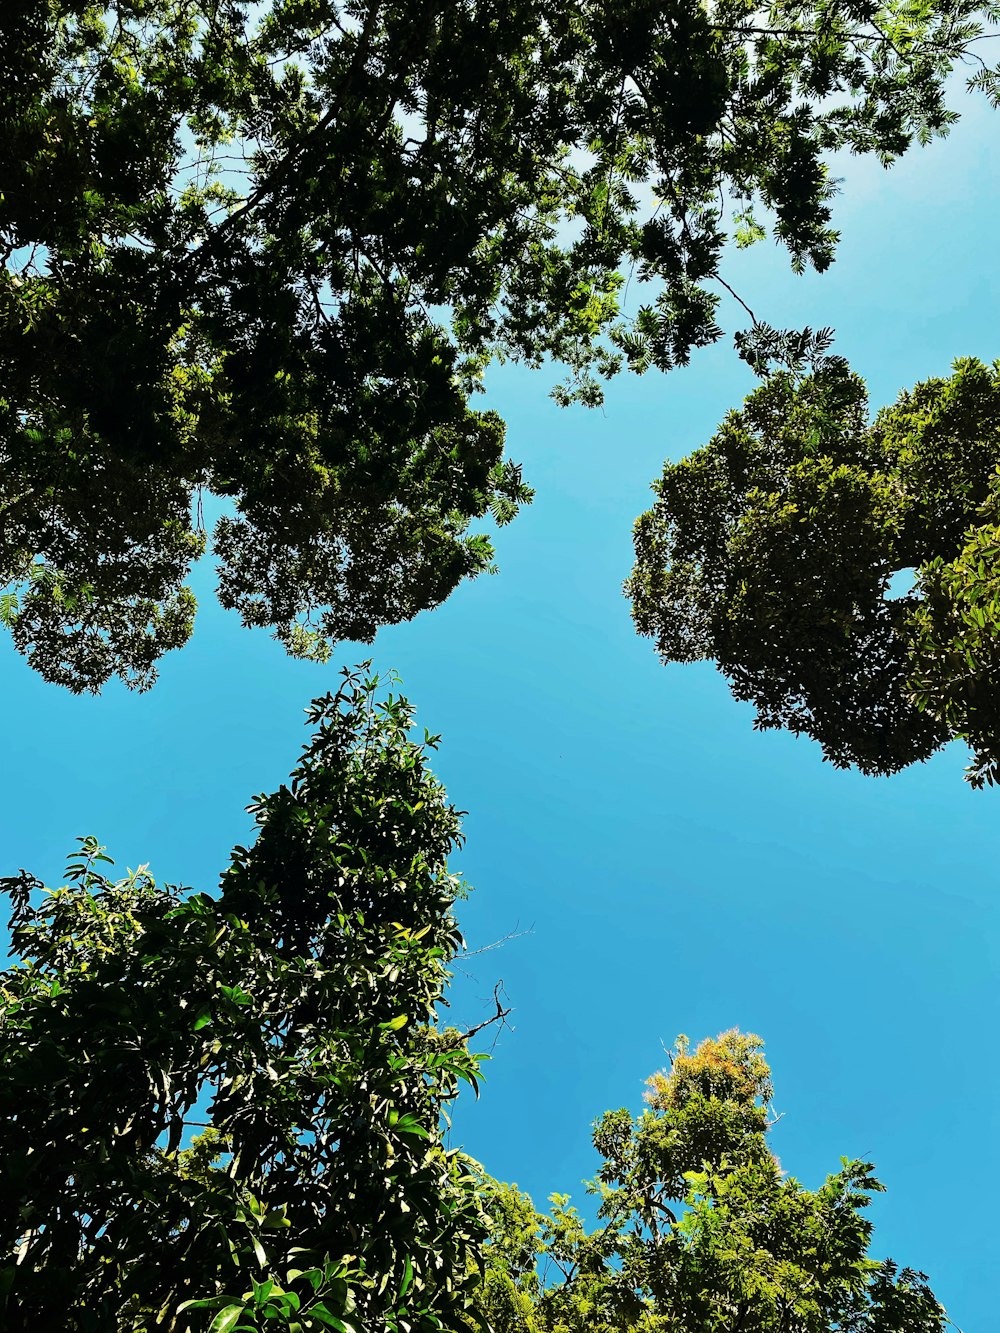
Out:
{"x": 700, "y": 1227}
{"x": 772, "y": 550}
{"x": 266, "y": 252}
{"x": 293, "y": 1014}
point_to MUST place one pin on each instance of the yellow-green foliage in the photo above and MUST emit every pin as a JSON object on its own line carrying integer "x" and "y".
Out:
{"x": 699, "y": 1228}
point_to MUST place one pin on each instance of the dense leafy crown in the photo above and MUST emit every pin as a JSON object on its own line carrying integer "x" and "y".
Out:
{"x": 292, "y": 1016}
{"x": 772, "y": 550}
{"x": 264, "y": 251}
{"x": 700, "y": 1227}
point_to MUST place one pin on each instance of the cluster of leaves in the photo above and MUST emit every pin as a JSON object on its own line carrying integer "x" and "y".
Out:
{"x": 700, "y": 1227}
{"x": 772, "y": 551}
{"x": 266, "y": 251}
{"x": 293, "y": 1019}
{"x": 293, "y": 1014}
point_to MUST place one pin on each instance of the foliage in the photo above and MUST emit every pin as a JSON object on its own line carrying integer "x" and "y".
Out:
{"x": 700, "y": 1227}
{"x": 265, "y": 251}
{"x": 772, "y": 549}
{"x": 295, "y": 1014}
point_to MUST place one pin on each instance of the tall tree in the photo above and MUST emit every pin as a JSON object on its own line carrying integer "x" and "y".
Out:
{"x": 700, "y": 1228}
{"x": 294, "y": 1017}
{"x": 772, "y": 550}
{"x": 266, "y": 251}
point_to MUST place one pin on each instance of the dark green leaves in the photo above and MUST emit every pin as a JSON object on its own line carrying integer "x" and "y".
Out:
{"x": 771, "y": 551}
{"x": 267, "y": 253}
{"x": 295, "y": 1014}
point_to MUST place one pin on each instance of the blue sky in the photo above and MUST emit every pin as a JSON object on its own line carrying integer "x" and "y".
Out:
{"x": 677, "y": 871}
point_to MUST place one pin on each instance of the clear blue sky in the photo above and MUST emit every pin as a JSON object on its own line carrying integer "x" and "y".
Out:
{"x": 678, "y": 872}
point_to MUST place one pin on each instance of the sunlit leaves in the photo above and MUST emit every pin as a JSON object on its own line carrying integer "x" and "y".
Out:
{"x": 295, "y": 1014}
{"x": 699, "y": 1226}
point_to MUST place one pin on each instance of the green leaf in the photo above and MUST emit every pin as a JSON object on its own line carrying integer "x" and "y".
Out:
{"x": 407, "y": 1124}
{"x": 261, "y": 1290}
{"x": 404, "y": 1286}
{"x": 321, "y": 1313}
{"x": 227, "y": 1319}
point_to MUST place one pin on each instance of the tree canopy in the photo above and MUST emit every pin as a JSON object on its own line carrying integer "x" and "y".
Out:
{"x": 772, "y": 550}
{"x": 700, "y": 1228}
{"x": 264, "y": 252}
{"x": 293, "y": 1019}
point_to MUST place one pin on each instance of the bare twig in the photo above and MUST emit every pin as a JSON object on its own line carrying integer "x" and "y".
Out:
{"x": 500, "y": 1017}
{"x": 736, "y": 297}
{"x": 515, "y": 934}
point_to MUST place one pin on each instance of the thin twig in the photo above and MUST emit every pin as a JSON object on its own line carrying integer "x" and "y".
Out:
{"x": 515, "y": 934}
{"x": 736, "y": 297}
